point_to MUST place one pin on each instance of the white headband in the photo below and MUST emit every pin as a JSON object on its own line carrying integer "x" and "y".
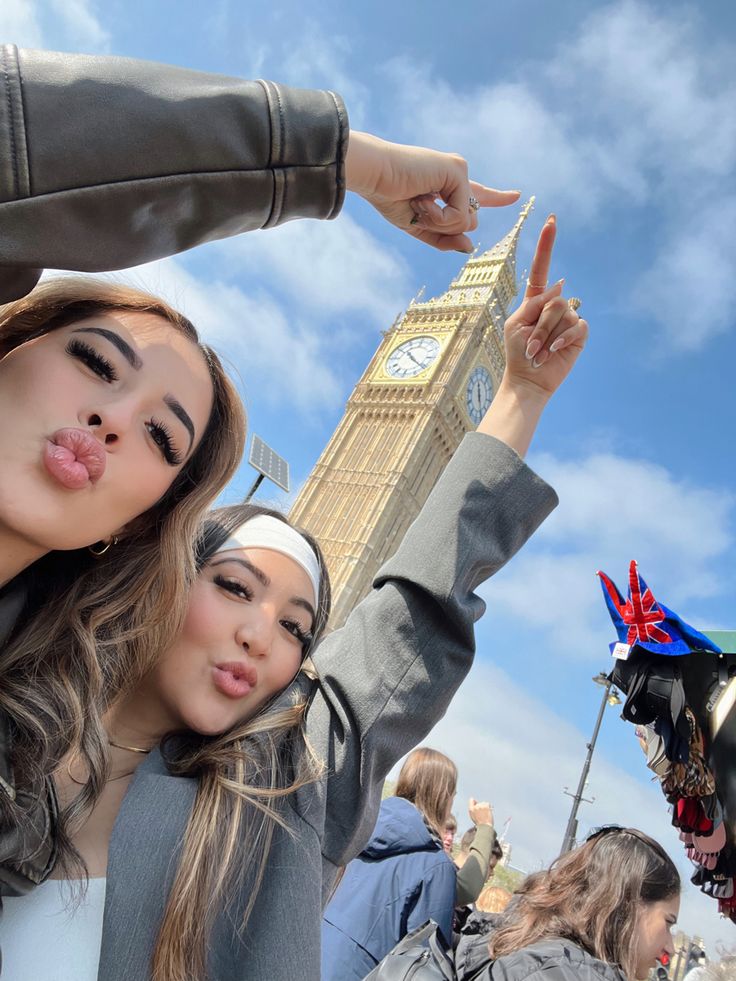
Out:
{"x": 264, "y": 531}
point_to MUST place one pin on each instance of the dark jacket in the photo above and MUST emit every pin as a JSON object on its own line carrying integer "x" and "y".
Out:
{"x": 401, "y": 879}
{"x": 191, "y": 157}
{"x": 548, "y": 960}
{"x": 551, "y": 960}
{"x": 106, "y": 163}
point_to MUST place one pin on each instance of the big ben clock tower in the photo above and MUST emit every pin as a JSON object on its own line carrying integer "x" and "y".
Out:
{"x": 430, "y": 381}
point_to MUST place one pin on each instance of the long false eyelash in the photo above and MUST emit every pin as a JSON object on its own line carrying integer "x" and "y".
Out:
{"x": 92, "y": 358}
{"x": 162, "y": 438}
{"x": 233, "y": 586}
{"x": 305, "y": 638}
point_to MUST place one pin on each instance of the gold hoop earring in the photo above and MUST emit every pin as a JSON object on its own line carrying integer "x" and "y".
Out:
{"x": 99, "y": 548}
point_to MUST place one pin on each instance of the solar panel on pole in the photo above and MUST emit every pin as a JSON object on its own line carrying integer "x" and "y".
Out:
{"x": 268, "y": 464}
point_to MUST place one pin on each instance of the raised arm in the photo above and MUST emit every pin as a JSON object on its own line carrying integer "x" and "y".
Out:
{"x": 109, "y": 162}
{"x": 471, "y": 876}
{"x": 543, "y": 340}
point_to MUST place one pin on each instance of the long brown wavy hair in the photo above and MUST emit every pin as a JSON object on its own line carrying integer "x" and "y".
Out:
{"x": 428, "y": 779}
{"x": 592, "y": 896}
{"x": 93, "y": 626}
{"x": 244, "y": 777}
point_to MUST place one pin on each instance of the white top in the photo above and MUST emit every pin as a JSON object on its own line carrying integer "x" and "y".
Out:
{"x": 49, "y": 935}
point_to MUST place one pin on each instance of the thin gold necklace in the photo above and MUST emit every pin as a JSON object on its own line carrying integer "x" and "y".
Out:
{"x": 130, "y": 749}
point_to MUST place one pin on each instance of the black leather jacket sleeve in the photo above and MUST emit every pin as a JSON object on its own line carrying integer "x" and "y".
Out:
{"x": 109, "y": 162}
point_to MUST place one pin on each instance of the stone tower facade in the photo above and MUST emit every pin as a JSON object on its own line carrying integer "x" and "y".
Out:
{"x": 430, "y": 381}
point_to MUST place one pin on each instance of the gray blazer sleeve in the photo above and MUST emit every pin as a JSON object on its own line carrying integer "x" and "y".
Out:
{"x": 388, "y": 675}
{"x": 109, "y": 162}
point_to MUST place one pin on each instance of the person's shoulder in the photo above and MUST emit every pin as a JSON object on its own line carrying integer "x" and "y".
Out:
{"x": 553, "y": 960}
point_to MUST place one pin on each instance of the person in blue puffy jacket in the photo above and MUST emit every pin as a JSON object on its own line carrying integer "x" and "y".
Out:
{"x": 401, "y": 879}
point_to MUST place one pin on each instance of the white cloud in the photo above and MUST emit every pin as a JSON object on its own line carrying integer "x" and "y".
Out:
{"x": 80, "y": 22}
{"x": 607, "y": 498}
{"x": 687, "y": 290}
{"x": 626, "y": 104}
{"x": 73, "y": 24}
{"x": 613, "y": 509}
{"x": 276, "y": 359}
{"x": 637, "y": 108}
{"x": 516, "y": 751}
{"x": 311, "y": 58}
{"x": 326, "y": 267}
{"x": 19, "y": 23}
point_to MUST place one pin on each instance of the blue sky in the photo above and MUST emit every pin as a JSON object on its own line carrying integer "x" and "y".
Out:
{"x": 619, "y": 117}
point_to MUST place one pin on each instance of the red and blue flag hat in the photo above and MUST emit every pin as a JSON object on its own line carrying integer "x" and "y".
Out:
{"x": 641, "y": 621}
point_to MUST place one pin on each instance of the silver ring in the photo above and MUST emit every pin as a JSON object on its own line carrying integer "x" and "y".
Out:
{"x": 474, "y": 204}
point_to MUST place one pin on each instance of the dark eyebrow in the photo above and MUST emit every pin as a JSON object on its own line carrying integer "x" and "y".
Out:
{"x": 305, "y": 604}
{"x": 265, "y": 581}
{"x": 125, "y": 349}
{"x": 182, "y": 415}
{"x": 260, "y": 576}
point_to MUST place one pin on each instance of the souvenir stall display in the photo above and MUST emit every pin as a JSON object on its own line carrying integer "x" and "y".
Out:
{"x": 680, "y": 687}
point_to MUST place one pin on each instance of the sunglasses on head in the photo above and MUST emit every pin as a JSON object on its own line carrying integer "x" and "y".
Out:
{"x": 604, "y": 829}
{"x": 609, "y": 829}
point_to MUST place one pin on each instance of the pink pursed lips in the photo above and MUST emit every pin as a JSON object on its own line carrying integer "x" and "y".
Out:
{"x": 234, "y": 678}
{"x": 74, "y": 458}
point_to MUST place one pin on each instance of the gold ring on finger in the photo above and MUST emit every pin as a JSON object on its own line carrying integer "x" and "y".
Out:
{"x": 536, "y": 286}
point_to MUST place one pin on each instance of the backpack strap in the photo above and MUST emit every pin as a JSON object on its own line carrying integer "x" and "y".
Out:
{"x": 440, "y": 955}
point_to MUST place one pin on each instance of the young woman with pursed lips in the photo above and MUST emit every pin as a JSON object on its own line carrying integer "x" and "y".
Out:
{"x": 119, "y": 429}
{"x": 237, "y": 789}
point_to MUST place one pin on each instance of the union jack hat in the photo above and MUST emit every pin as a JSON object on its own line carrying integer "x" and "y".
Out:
{"x": 641, "y": 621}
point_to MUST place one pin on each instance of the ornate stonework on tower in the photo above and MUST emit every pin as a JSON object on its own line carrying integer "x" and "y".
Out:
{"x": 430, "y": 381}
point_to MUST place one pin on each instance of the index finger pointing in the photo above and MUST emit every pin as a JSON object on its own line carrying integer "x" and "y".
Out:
{"x": 490, "y": 197}
{"x": 539, "y": 273}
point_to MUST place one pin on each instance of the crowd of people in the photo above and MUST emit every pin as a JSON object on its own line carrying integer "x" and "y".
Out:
{"x": 178, "y": 799}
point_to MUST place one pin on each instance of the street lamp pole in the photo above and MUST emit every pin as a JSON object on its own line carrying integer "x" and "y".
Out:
{"x": 568, "y": 842}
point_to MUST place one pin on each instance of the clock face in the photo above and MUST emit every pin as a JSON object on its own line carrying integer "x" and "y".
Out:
{"x": 478, "y": 394}
{"x": 413, "y": 356}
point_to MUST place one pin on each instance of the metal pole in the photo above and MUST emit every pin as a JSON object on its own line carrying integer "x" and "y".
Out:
{"x": 256, "y": 484}
{"x": 568, "y": 842}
